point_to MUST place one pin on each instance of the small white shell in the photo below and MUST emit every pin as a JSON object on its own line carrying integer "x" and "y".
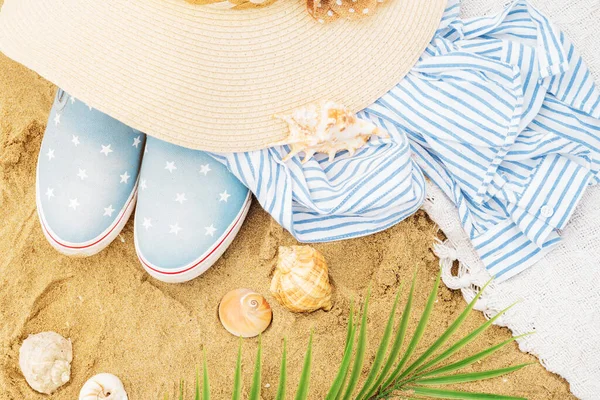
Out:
{"x": 45, "y": 360}
{"x": 103, "y": 386}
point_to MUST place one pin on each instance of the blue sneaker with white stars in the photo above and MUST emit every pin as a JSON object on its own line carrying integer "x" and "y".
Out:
{"x": 87, "y": 175}
{"x": 190, "y": 208}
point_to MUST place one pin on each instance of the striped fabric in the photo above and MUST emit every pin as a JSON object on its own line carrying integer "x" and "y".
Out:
{"x": 500, "y": 112}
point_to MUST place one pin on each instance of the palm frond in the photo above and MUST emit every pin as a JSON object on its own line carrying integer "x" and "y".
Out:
{"x": 205, "y": 384}
{"x": 340, "y": 380}
{"x": 237, "y": 379}
{"x": 255, "y": 390}
{"x": 282, "y": 374}
{"x": 302, "y": 393}
{"x": 359, "y": 358}
{"x": 395, "y": 370}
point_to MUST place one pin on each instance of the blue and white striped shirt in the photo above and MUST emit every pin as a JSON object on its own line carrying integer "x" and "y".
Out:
{"x": 500, "y": 112}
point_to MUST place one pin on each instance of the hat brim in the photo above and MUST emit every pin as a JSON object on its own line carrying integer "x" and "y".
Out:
{"x": 208, "y": 78}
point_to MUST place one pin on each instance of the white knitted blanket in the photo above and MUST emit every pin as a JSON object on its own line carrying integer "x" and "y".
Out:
{"x": 559, "y": 297}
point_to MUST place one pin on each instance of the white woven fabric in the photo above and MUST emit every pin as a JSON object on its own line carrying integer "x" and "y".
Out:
{"x": 559, "y": 297}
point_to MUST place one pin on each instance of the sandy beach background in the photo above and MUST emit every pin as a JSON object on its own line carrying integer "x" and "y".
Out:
{"x": 152, "y": 334}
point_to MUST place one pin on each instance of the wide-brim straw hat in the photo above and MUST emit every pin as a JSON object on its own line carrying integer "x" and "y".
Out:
{"x": 211, "y": 78}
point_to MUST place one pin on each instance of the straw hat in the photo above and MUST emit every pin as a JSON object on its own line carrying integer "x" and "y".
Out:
{"x": 211, "y": 78}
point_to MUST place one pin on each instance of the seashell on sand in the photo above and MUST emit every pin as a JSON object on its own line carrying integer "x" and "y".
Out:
{"x": 245, "y": 313}
{"x": 301, "y": 280}
{"x": 103, "y": 387}
{"x": 45, "y": 360}
{"x": 328, "y": 128}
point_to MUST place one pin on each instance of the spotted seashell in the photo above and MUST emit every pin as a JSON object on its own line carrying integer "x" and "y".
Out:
{"x": 245, "y": 313}
{"x": 353, "y": 9}
{"x": 103, "y": 387}
{"x": 328, "y": 10}
{"x": 301, "y": 280}
{"x": 328, "y": 128}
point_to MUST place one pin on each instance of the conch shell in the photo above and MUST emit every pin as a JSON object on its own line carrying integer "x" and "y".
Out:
{"x": 301, "y": 281}
{"x": 103, "y": 387}
{"x": 245, "y": 313}
{"x": 45, "y": 360}
{"x": 326, "y": 127}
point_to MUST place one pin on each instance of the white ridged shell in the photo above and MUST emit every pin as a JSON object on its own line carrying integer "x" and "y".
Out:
{"x": 45, "y": 360}
{"x": 103, "y": 387}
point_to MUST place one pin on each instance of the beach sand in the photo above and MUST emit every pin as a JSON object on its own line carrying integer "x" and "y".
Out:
{"x": 152, "y": 334}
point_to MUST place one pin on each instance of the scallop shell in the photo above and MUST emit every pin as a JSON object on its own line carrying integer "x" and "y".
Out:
{"x": 103, "y": 387}
{"x": 301, "y": 280}
{"x": 328, "y": 128}
{"x": 245, "y": 313}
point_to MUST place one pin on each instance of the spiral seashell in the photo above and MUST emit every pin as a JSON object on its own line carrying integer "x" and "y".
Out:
{"x": 103, "y": 387}
{"x": 328, "y": 128}
{"x": 301, "y": 280}
{"x": 245, "y": 313}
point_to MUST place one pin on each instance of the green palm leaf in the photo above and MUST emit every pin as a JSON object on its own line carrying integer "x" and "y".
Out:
{"x": 469, "y": 377}
{"x": 398, "y": 341}
{"x": 446, "y": 335}
{"x": 360, "y": 351}
{"x": 205, "y": 384}
{"x": 302, "y": 393}
{"x": 417, "y": 335}
{"x": 340, "y": 379}
{"x": 237, "y": 380}
{"x": 452, "y": 394}
{"x": 255, "y": 390}
{"x": 383, "y": 346}
{"x": 463, "y": 342}
{"x": 470, "y": 360}
{"x": 282, "y": 374}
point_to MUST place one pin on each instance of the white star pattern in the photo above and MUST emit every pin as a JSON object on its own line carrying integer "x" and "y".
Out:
{"x": 56, "y": 119}
{"x": 205, "y": 169}
{"x": 72, "y": 100}
{"x": 147, "y": 223}
{"x": 73, "y": 203}
{"x": 136, "y": 142}
{"x": 108, "y": 211}
{"x": 143, "y": 184}
{"x": 50, "y": 154}
{"x": 50, "y": 193}
{"x": 210, "y": 230}
{"x": 125, "y": 177}
{"x": 170, "y": 165}
{"x": 224, "y": 196}
{"x": 175, "y": 229}
{"x": 75, "y": 140}
{"x": 106, "y": 149}
{"x": 82, "y": 174}
{"x": 90, "y": 107}
{"x": 180, "y": 198}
